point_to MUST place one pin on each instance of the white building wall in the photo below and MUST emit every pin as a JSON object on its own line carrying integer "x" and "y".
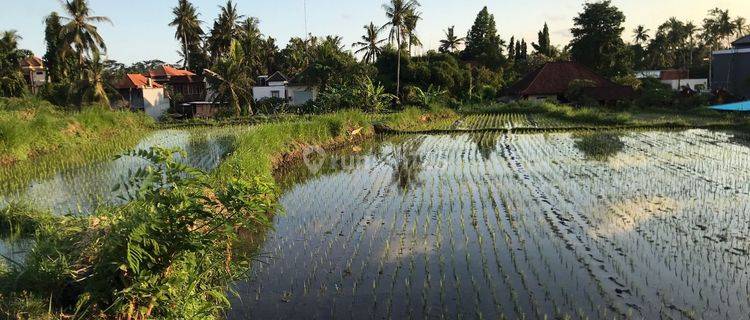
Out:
{"x": 691, "y": 83}
{"x": 155, "y": 102}
{"x": 300, "y": 95}
{"x": 542, "y": 98}
{"x": 260, "y": 93}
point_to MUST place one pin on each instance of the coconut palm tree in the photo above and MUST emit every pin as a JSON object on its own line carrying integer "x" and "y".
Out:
{"x": 226, "y": 27}
{"x": 251, "y": 41}
{"x": 9, "y": 40}
{"x": 451, "y": 41}
{"x": 79, "y": 35}
{"x": 12, "y": 83}
{"x": 411, "y": 21}
{"x": 740, "y": 27}
{"x": 717, "y": 27}
{"x": 189, "y": 30}
{"x": 231, "y": 80}
{"x": 91, "y": 86}
{"x": 370, "y": 44}
{"x": 397, "y": 12}
{"x": 640, "y": 34}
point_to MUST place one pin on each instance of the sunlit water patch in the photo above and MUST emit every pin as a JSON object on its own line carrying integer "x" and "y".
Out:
{"x": 638, "y": 225}
{"x": 82, "y": 189}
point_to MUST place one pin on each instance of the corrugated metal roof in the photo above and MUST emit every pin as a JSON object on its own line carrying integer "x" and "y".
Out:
{"x": 739, "y": 106}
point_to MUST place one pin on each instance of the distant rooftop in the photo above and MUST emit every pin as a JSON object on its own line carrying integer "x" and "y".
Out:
{"x": 168, "y": 71}
{"x": 554, "y": 78}
{"x": 742, "y": 43}
{"x": 32, "y": 62}
{"x": 136, "y": 81}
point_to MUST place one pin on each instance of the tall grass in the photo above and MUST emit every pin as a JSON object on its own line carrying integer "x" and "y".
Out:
{"x": 171, "y": 252}
{"x": 558, "y": 111}
{"x": 37, "y": 138}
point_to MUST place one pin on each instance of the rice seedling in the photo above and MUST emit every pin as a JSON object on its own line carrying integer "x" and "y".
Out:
{"x": 529, "y": 228}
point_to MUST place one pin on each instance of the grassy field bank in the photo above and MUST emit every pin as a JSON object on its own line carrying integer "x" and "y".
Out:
{"x": 170, "y": 253}
{"x": 37, "y": 138}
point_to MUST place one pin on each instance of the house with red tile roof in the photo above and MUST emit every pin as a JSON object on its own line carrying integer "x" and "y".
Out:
{"x": 552, "y": 81}
{"x": 184, "y": 85}
{"x": 143, "y": 94}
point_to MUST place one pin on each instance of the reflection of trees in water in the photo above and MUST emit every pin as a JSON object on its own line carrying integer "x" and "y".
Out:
{"x": 406, "y": 162}
{"x": 742, "y": 139}
{"x": 599, "y": 146}
{"x": 207, "y": 151}
{"x": 343, "y": 160}
{"x": 486, "y": 143}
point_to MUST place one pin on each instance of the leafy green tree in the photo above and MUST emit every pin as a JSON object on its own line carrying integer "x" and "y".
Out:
{"x": 512, "y": 48}
{"x": 269, "y": 54}
{"x": 740, "y": 27}
{"x": 225, "y": 29}
{"x": 79, "y": 35}
{"x": 251, "y": 40}
{"x": 544, "y": 45}
{"x": 295, "y": 58}
{"x": 369, "y": 47}
{"x": 597, "y": 39}
{"x": 483, "y": 44}
{"x": 399, "y": 12}
{"x": 90, "y": 89}
{"x": 12, "y": 83}
{"x": 56, "y": 66}
{"x": 717, "y": 28}
{"x": 330, "y": 65}
{"x": 451, "y": 42}
{"x": 188, "y": 26}
{"x": 231, "y": 80}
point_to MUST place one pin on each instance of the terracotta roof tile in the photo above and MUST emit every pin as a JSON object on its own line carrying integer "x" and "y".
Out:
{"x": 136, "y": 81}
{"x": 32, "y": 62}
{"x": 165, "y": 70}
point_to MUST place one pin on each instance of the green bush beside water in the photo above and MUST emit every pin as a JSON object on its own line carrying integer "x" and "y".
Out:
{"x": 171, "y": 252}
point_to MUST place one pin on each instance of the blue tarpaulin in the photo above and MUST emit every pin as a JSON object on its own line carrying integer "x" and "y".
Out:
{"x": 739, "y": 106}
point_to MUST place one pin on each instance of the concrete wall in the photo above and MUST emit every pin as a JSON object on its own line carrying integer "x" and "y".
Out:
{"x": 542, "y": 98}
{"x": 260, "y": 93}
{"x": 155, "y": 102}
{"x": 694, "y": 84}
{"x": 730, "y": 70}
{"x": 299, "y": 95}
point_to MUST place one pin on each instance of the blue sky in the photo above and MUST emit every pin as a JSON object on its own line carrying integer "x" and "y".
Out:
{"x": 140, "y": 28}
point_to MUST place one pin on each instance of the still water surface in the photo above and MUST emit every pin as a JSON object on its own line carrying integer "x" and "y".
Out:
{"x": 647, "y": 225}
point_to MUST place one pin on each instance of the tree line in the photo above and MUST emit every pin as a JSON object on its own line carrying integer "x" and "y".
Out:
{"x": 234, "y": 52}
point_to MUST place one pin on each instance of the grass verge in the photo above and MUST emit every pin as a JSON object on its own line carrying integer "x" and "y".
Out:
{"x": 38, "y": 139}
{"x": 172, "y": 252}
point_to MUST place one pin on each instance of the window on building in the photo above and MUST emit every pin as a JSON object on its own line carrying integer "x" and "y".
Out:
{"x": 276, "y": 94}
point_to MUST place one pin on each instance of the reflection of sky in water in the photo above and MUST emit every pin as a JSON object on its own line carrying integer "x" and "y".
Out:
{"x": 14, "y": 250}
{"x": 641, "y": 225}
{"x": 82, "y": 189}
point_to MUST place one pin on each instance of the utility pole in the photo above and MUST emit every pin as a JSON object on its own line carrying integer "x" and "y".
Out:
{"x": 304, "y": 5}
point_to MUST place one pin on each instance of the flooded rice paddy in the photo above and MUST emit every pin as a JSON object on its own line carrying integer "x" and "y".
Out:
{"x": 633, "y": 225}
{"x": 80, "y": 190}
